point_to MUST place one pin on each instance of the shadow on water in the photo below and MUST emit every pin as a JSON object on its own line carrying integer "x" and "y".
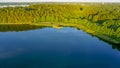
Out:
{"x": 19, "y": 27}
{"x": 26, "y": 27}
{"x": 114, "y": 46}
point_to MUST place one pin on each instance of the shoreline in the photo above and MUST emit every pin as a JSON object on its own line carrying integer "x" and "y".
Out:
{"x": 59, "y": 26}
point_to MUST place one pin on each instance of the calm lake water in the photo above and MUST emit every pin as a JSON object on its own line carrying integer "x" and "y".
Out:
{"x": 56, "y": 48}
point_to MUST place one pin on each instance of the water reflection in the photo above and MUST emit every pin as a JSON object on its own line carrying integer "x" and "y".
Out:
{"x": 19, "y": 27}
{"x": 53, "y": 48}
{"x": 114, "y": 46}
{"x": 26, "y": 27}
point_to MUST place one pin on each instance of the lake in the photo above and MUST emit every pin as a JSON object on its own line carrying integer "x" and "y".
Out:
{"x": 55, "y": 48}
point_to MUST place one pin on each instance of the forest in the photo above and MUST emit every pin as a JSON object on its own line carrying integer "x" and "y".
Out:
{"x": 102, "y": 20}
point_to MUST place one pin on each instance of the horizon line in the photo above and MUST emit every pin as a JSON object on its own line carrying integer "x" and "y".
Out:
{"x": 60, "y": 2}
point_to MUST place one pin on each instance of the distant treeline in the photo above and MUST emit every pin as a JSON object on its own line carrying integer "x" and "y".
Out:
{"x": 101, "y": 18}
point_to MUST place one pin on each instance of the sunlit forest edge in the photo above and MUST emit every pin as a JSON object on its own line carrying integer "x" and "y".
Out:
{"x": 101, "y": 20}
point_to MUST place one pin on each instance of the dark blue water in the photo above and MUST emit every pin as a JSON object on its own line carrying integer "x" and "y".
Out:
{"x": 54, "y": 48}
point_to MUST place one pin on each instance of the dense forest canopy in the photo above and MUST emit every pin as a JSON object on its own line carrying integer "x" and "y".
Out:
{"x": 102, "y": 19}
